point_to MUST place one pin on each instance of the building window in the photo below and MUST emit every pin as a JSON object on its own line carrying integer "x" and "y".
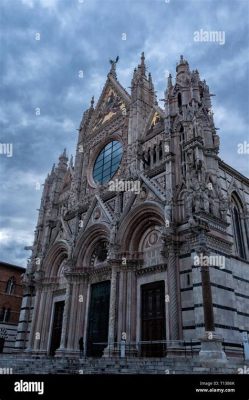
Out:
{"x": 10, "y": 286}
{"x": 188, "y": 279}
{"x": 237, "y": 227}
{"x": 160, "y": 151}
{"x": 5, "y": 314}
{"x": 148, "y": 158}
{"x": 107, "y": 162}
{"x": 2, "y": 314}
{"x": 179, "y": 100}
{"x": 154, "y": 155}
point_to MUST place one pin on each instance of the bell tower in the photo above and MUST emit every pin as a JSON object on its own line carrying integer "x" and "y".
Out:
{"x": 192, "y": 141}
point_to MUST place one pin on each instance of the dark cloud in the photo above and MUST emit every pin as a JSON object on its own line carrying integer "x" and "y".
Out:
{"x": 78, "y": 35}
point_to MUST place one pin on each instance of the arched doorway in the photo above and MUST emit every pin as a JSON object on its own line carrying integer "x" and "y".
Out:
{"x": 140, "y": 235}
{"x": 91, "y": 254}
{"x": 50, "y": 303}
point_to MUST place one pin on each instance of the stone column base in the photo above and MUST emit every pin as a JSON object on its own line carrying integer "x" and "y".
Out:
{"x": 110, "y": 351}
{"x": 211, "y": 349}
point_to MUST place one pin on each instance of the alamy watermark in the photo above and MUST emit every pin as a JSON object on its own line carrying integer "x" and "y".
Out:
{"x": 243, "y": 148}
{"x": 210, "y": 36}
{"x": 23, "y": 386}
{"x": 6, "y": 149}
{"x": 203, "y": 260}
{"x": 119, "y": 185}
{"x": 244, "y": 370}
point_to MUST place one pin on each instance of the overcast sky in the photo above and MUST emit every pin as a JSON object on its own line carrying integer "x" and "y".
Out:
{"x": 82, "y": 35}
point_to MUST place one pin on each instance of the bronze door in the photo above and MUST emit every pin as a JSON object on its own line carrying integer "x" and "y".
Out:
{"x": 57, "y": 326}
{"x": 153, "y": 319}
{"x": 98, "y": 320}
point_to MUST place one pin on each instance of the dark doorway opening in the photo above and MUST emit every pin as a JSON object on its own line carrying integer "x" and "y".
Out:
{"x": 2, "y": 340}
{"x": 153, "y": 319}
{"x": 98, "y": 320}
{"x": 57, "y": 327}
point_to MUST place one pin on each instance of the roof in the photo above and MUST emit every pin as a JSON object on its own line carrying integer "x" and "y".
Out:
{"x": 233, "y": 171}
{"x": 11, "y": 266}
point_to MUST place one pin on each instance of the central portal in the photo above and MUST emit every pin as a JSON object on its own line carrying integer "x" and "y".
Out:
{"x": 98, "y": 321}
{"x": 153, "y": 319}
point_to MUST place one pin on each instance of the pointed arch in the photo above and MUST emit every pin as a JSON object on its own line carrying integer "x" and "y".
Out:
{"x": 10, "y": 286}
{"x": 87, "y": 242}
{"x": 136, "y": 223}
{"x": 54, "y": 258}
{"x": 182, "y": 204}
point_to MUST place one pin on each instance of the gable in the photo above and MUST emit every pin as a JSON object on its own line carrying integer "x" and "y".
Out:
{"x": 113, "y": 100}
{"x": 155, "y": 119}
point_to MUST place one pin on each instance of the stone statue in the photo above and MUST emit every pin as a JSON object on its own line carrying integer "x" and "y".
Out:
{"x": 112, "y": 62}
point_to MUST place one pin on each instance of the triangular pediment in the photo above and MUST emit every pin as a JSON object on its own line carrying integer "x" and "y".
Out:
{"x": 113, "y": 100}
{"x": 153, "y": 187}
{"x": 62, "y": 230}
{"x": 55, "y": 232}
{"x": 156, "y": 117}
{"x": 98, "y": 212}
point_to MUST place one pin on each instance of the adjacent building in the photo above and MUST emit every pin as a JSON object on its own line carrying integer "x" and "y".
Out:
{"x": 10, "y": 304}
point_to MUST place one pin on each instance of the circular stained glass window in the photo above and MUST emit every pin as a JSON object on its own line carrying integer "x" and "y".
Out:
{"x": 107, "y": 162}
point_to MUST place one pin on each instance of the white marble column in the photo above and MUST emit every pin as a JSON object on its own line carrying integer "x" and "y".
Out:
{"x": 46, "y": 320}
{"x": 173, "y": 295}
{"x": 23, "y": 324}
{"x": 65, "y": 321}
{"x": 112, "y": 309}
{"x": 38, "y": 314}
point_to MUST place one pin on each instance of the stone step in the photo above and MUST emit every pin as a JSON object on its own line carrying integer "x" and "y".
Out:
{"x": 179, "y": 365}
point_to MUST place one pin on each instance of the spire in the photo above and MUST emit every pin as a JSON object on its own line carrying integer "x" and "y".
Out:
{"x": 63, "y": 156}
{"x": 142, "y": 65}
{"x": 169, "y": 81}
{"x": 63, "y": 159}
{"x": 182, "y": 61}
{"x": 151, "y": 86}
{"x": 71, "y": 161}
{"x": 92, "y": 102}
{"x": 182, "y": 66}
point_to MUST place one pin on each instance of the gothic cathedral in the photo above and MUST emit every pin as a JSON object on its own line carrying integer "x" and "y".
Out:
{"x": 145, "y": 236}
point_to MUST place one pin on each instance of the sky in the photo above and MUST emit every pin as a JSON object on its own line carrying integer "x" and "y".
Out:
{"x": 54, "y": 56}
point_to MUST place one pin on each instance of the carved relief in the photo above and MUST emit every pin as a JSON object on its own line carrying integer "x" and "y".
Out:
{"x": 111, "y": 104}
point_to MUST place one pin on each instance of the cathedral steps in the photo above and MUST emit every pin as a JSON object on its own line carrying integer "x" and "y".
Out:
{"x": 48, "y": 365}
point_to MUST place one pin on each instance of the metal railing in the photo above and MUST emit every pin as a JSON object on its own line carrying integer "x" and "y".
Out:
{"x": 152, "y": 348}
{"x": 159, "y": 348}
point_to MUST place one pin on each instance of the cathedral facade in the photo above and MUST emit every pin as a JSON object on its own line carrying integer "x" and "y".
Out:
{"x": 145, "y": 236}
